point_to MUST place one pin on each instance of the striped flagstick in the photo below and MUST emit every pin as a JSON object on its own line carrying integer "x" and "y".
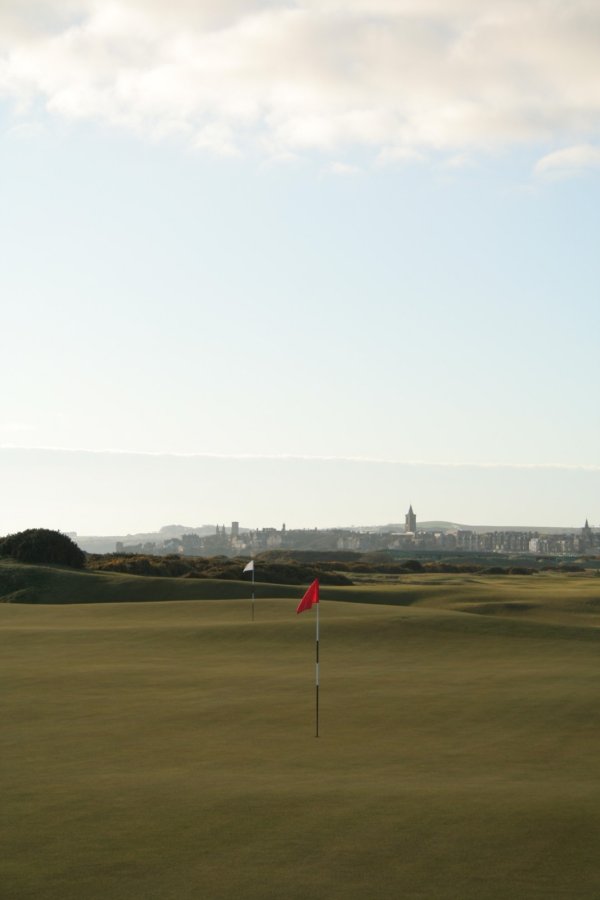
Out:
{"x": 317, "y": 671}
{"x": 312, "y": 597}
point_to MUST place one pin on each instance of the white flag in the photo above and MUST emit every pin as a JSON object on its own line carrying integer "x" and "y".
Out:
{"x": 249, "y": 567}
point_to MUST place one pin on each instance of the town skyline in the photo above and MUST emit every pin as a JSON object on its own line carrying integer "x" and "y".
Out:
{"x": 240, "y": 540}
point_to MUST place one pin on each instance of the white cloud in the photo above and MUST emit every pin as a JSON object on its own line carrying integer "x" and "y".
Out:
{"x": 404, "y": 78}
{"x": 15, "y": 427}
{"x": 569, "y": 161}
{"x": 25, "y": 131}
{"x": 343, "y": 169}
{"x": 290, "y": 457}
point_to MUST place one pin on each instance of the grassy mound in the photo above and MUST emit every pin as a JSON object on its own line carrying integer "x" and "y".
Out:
{"x": 50, "y": 584}
{"x": 550, "y": 597}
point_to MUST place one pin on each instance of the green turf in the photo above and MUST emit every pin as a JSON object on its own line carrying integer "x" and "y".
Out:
{"x": 548, "y": 596}
{"x": 166, "y": 750}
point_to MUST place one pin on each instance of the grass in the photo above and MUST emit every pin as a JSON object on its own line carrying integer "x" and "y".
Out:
{"x": 166, "y": 750}
{"x": 547, "y": 595}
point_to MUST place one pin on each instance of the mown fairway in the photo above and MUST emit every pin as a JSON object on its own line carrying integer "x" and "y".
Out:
{"x": 167, "y": 750}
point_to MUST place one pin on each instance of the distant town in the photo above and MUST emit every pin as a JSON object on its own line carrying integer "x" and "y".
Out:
{"x": 411, "y": 537}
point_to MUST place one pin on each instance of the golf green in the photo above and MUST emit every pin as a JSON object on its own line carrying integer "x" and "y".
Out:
{"x": 167, "y": 750}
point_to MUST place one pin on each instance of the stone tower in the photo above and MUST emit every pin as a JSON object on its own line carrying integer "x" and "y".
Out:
{"x": 410, "y": 521}
{"x": 587, "y": 537}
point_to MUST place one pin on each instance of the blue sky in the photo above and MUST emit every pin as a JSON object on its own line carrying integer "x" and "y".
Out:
{"x": 230, "y": 236}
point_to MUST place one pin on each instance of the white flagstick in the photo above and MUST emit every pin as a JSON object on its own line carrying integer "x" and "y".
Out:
{"x": 249, "y": 567}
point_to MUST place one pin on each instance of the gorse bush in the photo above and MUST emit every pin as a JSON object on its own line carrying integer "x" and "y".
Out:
{"x": 221, "y": 567}
{"x": 42, "y": 545}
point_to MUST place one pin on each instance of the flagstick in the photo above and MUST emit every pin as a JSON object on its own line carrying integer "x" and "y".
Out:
{"x": 317, "y": 676}
{"x": 310, "y": 599}
{"x": 253, "y": 593}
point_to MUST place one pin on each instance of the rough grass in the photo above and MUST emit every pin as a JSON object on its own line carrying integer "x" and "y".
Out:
{"x": 166, "y": 750}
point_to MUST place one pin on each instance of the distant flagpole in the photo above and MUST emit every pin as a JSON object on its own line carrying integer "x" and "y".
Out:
{"x": 310, "y": 598}
{"x": 249, "y": 567}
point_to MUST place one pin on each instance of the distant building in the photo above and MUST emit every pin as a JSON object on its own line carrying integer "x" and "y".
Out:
{"x": 237, "y": 541}
{"x": 586, "y": 541}
{"x": 192, "y": 544}
{"x": 173, "y": 545}
{"x": 467, "y": 540}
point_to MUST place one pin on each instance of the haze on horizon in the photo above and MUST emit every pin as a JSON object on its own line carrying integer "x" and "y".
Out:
{"x": 117, "y": 493}
{"x": 305, "y": 262}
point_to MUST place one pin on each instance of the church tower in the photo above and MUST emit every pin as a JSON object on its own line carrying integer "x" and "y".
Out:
{"x": 410, "y": 521}
{"x": 587, "y": 537}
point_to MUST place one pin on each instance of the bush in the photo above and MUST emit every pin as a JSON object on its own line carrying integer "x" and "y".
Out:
{"x": 42, "y": 545}
{"x": 412, "y": 565}
{"x": 171, "y": 566}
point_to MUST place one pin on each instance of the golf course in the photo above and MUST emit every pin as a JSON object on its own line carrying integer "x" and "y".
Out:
{"x": 159, "y": 744}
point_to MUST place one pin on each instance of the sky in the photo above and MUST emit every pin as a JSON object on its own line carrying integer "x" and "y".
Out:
{"x": 303, "y": 262}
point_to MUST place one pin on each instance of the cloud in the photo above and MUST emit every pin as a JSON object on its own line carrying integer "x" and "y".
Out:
{"x": 569, "y": 161}
{"x": 292, "y": 458}
{"x": 402, "y": 78}
{"x": 15, "y": 427}
{"x": 25, "y": 131}
{"x": 343, "y": 169}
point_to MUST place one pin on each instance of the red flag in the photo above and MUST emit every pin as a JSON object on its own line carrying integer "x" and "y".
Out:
{"x": 310, "y": 597}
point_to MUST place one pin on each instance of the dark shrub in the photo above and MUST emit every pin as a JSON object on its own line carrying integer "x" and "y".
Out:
{"x": 412, "y": 565}
{"x": 42, "y": 545}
